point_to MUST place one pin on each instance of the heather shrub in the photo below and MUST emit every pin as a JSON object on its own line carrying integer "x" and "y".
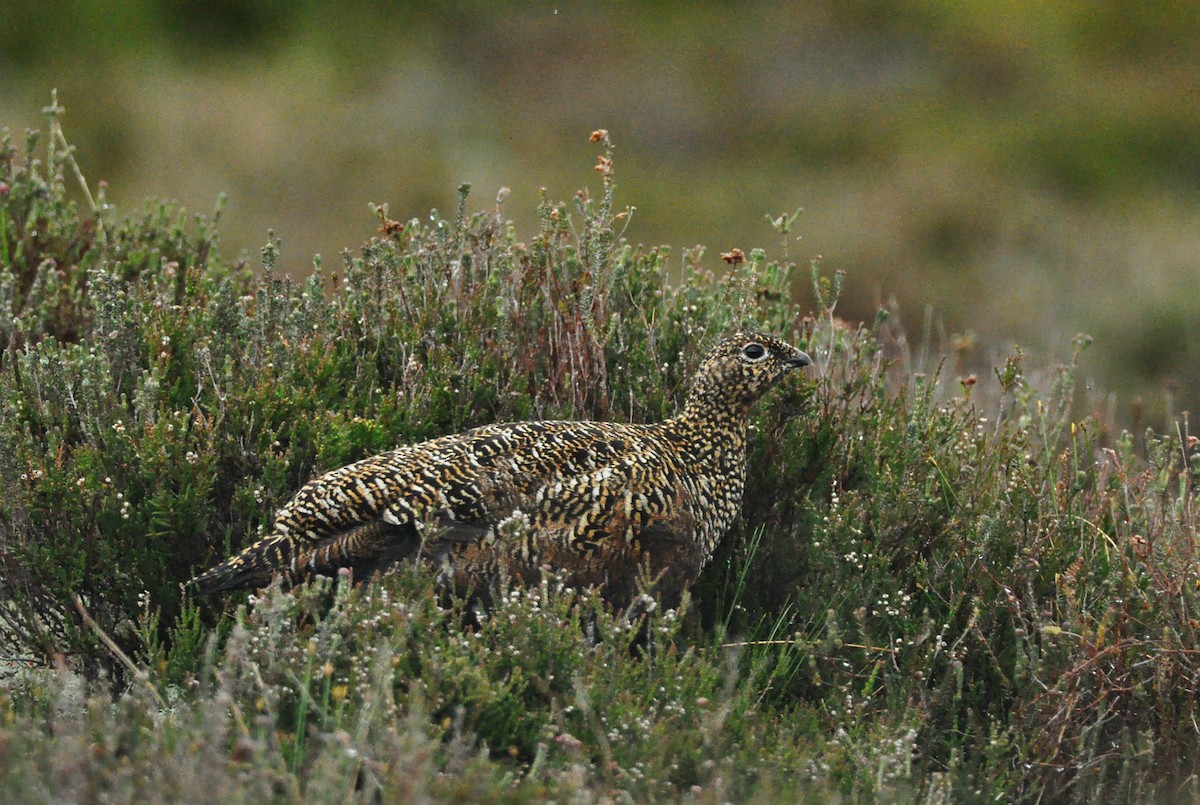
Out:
{"x": 942, "y": 587}
{"x": 187, "y": 400}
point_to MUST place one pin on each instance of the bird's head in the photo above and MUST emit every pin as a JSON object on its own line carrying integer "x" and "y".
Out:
{"x": 741, "y": 369}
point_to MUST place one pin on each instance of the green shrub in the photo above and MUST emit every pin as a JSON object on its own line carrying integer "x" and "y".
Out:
{"x": 186, "y": 401}
{"x": 941, "y": 587}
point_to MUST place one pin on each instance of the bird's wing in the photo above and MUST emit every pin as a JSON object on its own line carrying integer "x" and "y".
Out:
{"x": 596, "y": 528}
{"x": 376, "y": 506}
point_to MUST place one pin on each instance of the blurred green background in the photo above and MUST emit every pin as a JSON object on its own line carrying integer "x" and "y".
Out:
{"x": 1027, "y": 169}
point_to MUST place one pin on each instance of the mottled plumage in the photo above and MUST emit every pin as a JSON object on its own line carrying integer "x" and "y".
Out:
{"x": 594, "y": 501}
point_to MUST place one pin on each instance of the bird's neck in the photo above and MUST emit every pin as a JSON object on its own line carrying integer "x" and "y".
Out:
{"x": 715, "y": 430}
{"x": 708, "y": 404}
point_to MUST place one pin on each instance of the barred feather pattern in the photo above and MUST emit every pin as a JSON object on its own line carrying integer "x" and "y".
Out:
{"x": 604, "y": 504}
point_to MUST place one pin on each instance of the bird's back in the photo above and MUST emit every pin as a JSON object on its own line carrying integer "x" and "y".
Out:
{"x": 583, "y": 497}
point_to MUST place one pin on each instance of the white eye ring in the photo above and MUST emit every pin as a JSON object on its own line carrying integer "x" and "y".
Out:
{"x": 754, "y": 352}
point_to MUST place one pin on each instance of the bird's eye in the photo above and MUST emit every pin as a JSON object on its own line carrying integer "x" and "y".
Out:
{"x": 754, "y": 352}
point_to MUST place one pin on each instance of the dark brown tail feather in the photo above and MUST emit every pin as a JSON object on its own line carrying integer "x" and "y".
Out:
{"x": 365, "y": 549}
{"x": 253, "y": 566}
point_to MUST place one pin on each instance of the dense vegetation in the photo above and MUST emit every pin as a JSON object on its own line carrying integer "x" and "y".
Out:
{"x": 1026, "y": 169}
{"x": 943, "y": 587}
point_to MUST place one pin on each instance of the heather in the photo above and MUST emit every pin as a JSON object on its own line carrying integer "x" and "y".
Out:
{"x": 944, "y": 586}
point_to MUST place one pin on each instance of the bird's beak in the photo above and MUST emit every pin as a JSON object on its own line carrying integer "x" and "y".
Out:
{"x": 798, "y": 360}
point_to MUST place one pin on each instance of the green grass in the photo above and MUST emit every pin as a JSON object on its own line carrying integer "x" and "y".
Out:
{"x": 945, "y": 588}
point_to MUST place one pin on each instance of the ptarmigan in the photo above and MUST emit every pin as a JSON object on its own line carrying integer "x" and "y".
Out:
{"x": 602, "y": 503}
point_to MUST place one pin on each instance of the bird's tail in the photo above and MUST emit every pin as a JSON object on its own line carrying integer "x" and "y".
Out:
{"x": 254, "y": 565}
{"x": 366, "y": 548}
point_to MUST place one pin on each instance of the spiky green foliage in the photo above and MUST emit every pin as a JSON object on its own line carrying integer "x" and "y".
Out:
{"x": 943, "y": 587}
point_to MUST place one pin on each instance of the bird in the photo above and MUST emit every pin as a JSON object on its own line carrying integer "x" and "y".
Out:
{"x": 602, "y": 504}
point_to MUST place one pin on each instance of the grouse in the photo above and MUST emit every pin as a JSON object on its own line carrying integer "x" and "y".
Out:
{"x": 601, "y": 503}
